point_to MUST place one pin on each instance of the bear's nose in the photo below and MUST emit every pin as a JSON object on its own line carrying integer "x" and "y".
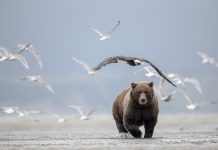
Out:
{"x": 142, "y": 100}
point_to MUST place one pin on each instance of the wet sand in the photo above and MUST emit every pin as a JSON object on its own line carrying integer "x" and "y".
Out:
{"x": 172, "y": 132}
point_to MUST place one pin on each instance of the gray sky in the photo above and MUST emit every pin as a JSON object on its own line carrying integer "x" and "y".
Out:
{"x": 168, "y": 33}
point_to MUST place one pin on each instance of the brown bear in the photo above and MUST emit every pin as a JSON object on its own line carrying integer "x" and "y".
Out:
{"x": 134, "y": 107}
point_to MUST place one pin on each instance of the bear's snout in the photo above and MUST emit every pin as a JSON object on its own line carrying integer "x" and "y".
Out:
{"x": 142, "y": 99}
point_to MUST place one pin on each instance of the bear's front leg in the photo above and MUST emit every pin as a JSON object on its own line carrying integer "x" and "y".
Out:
{"x": 149, "y": 127}
{"x": 132, "y": 128}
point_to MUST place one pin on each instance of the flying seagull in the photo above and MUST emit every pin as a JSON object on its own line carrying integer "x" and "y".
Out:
{"x": 29, "y": 47}
{"x": 22, "y": 113}
{"x": 151, "y": 72}
{"x": 5, "y": 55}
{"x": 85, "y": 66}
{"x": 206, "y": 58}
{"x": 180, "y": 80}
{"x": 132, "y": 61}
{"x": 83, "y": 115}
{"x": 40, "y": 80}
{"x": 106, "y": 35}
{"x": 9, "y": 110}
{"x": 193, "y": 105}
{"x": 162, "y": 94}
{"x": 60, "y": 119}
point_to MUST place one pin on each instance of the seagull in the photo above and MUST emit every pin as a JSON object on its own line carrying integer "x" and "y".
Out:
{"x": 180, "y": 80}
{"x": 29, "y": 47}
{"x": 40, "y": 80}
{"x": 193, "y": 105}
{"x": 83, "y": 115}
{"x": 107, "y": 35}
{"x": 7, "y": 56}
{"x": 206, "y": 58}
{"x": 162, "y": 94}
{"x": 89, "y": 70}
{"x": 132, "y": 61}
{"x": 9, "y": 110}
{"x": 151, "y": 72}
{"x": 22, "y": 113}
{"x": 60, "y": 119}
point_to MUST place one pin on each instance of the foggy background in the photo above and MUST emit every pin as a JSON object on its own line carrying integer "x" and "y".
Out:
{"x": 168, "y": 33}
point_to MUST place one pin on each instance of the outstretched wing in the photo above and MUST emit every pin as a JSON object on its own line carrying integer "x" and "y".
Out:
{"x": 82, "y": 113}
{"x": 130, "y": 60}
{"x": 98, "y": 32}
{"x": 22, "y": 60}
{"x": 105, "y": 62}
{"x": 38, "y": 57}
{"x": 112, "y": 30}
{"x": 158, "y": 70}
{"x": 45, "y": 83}
{"x": 84, "y": 64}
{"x": 91, "y": 112}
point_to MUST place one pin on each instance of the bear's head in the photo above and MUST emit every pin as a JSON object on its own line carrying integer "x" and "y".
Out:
{"x": 142, "y": 93}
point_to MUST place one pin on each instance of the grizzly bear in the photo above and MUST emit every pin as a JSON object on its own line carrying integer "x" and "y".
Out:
{"x": 134, "y": 107}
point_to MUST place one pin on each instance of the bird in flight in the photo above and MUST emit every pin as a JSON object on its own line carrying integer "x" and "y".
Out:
{"x": 162, "y": 94}
{"x": 207, "y": 59}
{"x": 106, "y": 35}
{"x": 83, "y": 115}
{"x": 132, "y": 61}
{"x": 5, "y": 55}
{"x": 180, "y": 80}
{"x": 29, "y": 47}
{"x": 193, "y": 105}
{"x": 40, "y": 80}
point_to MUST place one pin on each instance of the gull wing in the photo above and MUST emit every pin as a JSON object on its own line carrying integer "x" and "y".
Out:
{"x": 85, "y": 65}
{"x": 45, "y": 83}
{"x": 112, "y": 30}
{"x": 105, "y": 62}
{"x": 38, "y": 57}
{"x": 22, "y": 61}
{"x": 4, "y": 51}
{"x": 190, "y": 101}
{"x": 98, "y": 32}
{"x": 82, "y": 113}
{"x": 195, "y": 82}
{"x": 91, "y": 112}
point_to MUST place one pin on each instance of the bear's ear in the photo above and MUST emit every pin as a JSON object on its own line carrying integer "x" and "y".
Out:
{"x": 133, "y": 85}
{"x": 151, "y": 84}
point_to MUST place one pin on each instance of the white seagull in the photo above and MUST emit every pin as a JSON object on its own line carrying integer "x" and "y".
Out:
{"x": 107, "y": 35}
{"x": 193, "y": 105}
{"x": 5, "y": 55}
{"x": 151, "y": 72}
{"x": 22, "y": 113}
{"x": 162, "y": 94}
{"x": 206, "y": 58}
{"x": 180, "y": 80}
{"x": 89, "y": 70}
{"x": 29, "y": 47}
{"x": 60, "y": 119}
{"x": 9, "y": 110}
{"x": 83, "y": 115}
{"x": 40, "y": 80}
